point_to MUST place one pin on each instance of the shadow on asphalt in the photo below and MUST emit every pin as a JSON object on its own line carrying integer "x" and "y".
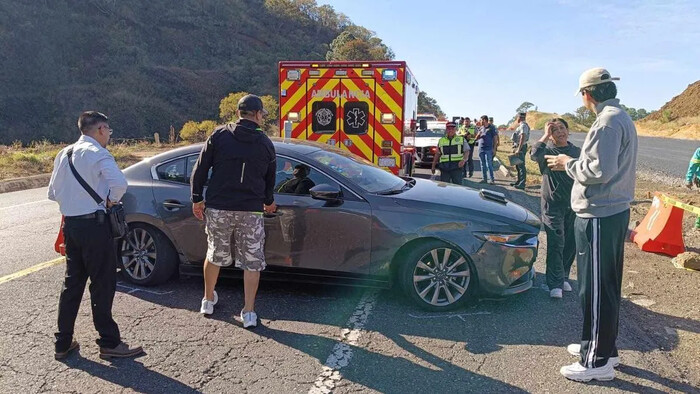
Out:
{"x": 528, "y": 319}
{"x": 128, "y": 373}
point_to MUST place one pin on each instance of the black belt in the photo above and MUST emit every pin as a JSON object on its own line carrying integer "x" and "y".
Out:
{"x": 82, "y": 217}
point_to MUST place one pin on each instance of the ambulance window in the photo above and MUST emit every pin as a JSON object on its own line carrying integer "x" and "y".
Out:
{"x": 356, "y": 119}
{"x": 324, "y": 117}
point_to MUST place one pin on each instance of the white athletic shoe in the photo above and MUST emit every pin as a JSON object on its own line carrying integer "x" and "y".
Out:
{"x": 566, "y": 286}
{"x": 575, "y": 350}
{"x": 580, "y": 373}
{"x": 555, "y": 293}
{"x": 250, "y": 319}
{"x": 492, "y": 182}
{"x": 208, "y": 306}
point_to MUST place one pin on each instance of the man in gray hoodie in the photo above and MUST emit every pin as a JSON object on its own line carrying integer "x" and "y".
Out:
{"x": 604, "y": 182}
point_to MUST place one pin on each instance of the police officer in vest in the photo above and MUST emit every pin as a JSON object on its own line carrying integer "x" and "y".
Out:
{"x": 450, "y": 155}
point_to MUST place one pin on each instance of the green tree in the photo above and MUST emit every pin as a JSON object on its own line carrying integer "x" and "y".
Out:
{"x": 584, "y": 116}
{"x": 429, "y": 105}
{"x": 358, "y": 43}
{"x": 524, "y": 107}
{"x": 642, "y": 113}
{"x": 229, "y": 106}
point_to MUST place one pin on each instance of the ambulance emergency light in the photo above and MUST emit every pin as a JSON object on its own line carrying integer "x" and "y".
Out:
{"x": 389, "y": 74}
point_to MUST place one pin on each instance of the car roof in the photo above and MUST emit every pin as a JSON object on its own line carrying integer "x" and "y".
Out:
{"x": 288, "y": 146}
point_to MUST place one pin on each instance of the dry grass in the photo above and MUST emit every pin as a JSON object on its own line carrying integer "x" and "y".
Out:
{"x": 681, "y": 128}
{"x": 17, "y": 161}
{"x": 533, "y": 170}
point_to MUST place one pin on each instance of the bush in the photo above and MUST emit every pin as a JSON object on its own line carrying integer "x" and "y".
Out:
{"x": 197, "y": 132}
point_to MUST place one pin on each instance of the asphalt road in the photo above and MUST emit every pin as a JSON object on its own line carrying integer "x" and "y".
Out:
{"x": 311, "y": 338}
{"x": 665, "y": 156}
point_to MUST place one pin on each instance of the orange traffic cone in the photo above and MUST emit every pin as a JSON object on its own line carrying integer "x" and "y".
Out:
{"x": 661, "y": 231}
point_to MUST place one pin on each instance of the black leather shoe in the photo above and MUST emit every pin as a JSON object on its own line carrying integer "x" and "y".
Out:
{"x": 121, "y": 351}
{"x": 61, "y": 355}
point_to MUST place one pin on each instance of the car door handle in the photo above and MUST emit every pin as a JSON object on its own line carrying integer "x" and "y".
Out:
{"x": 272, "y": 215}
{"x": 172, "y": 205}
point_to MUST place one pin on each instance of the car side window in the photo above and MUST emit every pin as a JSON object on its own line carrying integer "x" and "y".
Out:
{"x": 191, "y": 161}
{"x": 173, "y": 171}
{"x": 295, "y": 177}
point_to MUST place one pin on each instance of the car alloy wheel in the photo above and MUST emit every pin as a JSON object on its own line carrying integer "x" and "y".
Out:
{"x": 441, "y": 277}
{"x": 139, "y": 254}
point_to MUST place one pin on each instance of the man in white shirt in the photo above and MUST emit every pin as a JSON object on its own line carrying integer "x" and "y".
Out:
{"x": 90, "y": 250}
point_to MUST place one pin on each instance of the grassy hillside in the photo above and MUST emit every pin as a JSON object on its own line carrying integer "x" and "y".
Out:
{"x": 147, "y": 64}
{"x": 679, "y": 118}
{"x": 537, "y": 120}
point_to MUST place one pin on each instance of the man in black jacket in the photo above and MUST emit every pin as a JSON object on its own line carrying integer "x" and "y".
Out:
{"x": 243, "y": 163}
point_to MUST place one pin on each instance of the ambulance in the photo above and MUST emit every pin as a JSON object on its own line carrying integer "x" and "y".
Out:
{"x": 367, "y": 108}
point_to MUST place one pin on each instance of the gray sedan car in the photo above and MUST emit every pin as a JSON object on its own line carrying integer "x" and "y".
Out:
{"x": 354, "y": 223}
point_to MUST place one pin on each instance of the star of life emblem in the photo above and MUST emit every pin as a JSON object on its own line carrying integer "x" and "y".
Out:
{"x": 356, "y": 118}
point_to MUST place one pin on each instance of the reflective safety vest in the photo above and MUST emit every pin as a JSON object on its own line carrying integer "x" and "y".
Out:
{"x": 471, "y": 135}
{"x": 451, "y": 150}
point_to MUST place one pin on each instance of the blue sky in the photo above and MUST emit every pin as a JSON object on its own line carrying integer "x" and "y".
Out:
{"x": 487, "y": 57}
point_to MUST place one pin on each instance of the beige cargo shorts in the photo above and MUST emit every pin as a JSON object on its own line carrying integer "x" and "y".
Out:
{"x": 248, "y": 229}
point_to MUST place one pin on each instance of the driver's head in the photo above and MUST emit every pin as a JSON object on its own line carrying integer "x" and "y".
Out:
{"x": 301, "y": 171}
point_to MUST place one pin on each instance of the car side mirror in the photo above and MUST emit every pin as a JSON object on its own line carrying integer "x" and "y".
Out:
{"x": 326, "y": 192}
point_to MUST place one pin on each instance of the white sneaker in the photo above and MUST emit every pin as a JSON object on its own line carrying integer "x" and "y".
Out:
{"x": 575, "y": 350}
{"x": 580, "y": 373}
{"x": 208, "y": 306}
{"x": 566, "y": 286}
{"x": 250, "y": 319}
{"x": 491, "y": 182}
{"x": 555, "y": 293}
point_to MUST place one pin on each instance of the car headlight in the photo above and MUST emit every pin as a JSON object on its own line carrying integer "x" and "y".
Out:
{"x": 510, "y": 239}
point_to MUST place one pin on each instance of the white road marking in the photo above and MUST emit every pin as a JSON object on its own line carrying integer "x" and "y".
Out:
{"x": 24, "y": 204}
{"x": 135, "y": 289}
{"x": 460, "y": 316}
{"x": 342, "y": 352}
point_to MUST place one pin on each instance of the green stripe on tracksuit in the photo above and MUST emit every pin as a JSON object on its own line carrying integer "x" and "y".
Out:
{"x": 600, "y": 246}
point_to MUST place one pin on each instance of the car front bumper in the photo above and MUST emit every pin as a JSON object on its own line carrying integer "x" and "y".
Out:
{"x": 505, "y": 269}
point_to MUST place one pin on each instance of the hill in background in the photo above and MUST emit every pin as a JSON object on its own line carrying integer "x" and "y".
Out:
{"x": 536, "y": 120}
{"x": 679, "y": 118}
{"x": 146, "y": 64}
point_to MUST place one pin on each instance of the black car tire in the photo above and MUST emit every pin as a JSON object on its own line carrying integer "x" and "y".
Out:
{"x": 146, "y": 256}
{"x": 415, "y": 277}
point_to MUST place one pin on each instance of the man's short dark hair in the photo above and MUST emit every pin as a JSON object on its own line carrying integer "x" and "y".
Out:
{"x": 602, "y": 92}
{"x": 484, "y": 117}
{"x": 88, "y": 119}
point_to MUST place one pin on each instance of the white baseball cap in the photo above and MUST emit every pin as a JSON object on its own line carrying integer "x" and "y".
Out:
{"x": 594, "y": 76}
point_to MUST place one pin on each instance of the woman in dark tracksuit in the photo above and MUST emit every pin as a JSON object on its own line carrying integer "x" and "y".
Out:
{"x": 557, "y": 215}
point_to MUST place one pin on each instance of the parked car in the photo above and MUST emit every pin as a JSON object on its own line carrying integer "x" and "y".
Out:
{"x": 359, "y": 225}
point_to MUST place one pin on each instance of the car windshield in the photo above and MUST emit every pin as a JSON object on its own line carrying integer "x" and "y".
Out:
{"x": 363, "y": 173}
{"x": 430, "y": 133}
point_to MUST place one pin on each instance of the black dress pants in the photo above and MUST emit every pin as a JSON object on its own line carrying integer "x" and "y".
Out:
{"x": 600, "y": 243}
{"x": 90, "y": 254}
{"x": 520, "y": 168}
{"x": 470, "y": 160}
{"x": 451, "y": 176}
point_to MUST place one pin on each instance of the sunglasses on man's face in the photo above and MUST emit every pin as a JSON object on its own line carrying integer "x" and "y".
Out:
{"x": 106, "y": 127}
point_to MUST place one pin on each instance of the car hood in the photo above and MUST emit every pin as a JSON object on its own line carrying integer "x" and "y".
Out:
{"x": 445, "y": 197}
{"x": 426, "y": 141}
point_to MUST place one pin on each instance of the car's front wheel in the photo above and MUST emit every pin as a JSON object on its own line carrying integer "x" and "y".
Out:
{"x": 146, "y": 256}
{"x": 437, "y": 276}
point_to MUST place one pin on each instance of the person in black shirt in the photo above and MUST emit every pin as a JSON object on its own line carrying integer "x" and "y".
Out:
{"x": 300, "y": 184}
{"x": 557, "y": 215}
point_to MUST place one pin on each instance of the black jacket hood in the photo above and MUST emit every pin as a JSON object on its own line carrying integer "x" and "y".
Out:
{"x": 245, "y": 130}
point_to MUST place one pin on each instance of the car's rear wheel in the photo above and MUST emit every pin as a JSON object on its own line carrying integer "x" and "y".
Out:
{"x": 146, "y": 255}
{"x": 437, "y": 276}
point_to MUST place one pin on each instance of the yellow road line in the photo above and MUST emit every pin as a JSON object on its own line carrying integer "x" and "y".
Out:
{"x": 29, "y": 270}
